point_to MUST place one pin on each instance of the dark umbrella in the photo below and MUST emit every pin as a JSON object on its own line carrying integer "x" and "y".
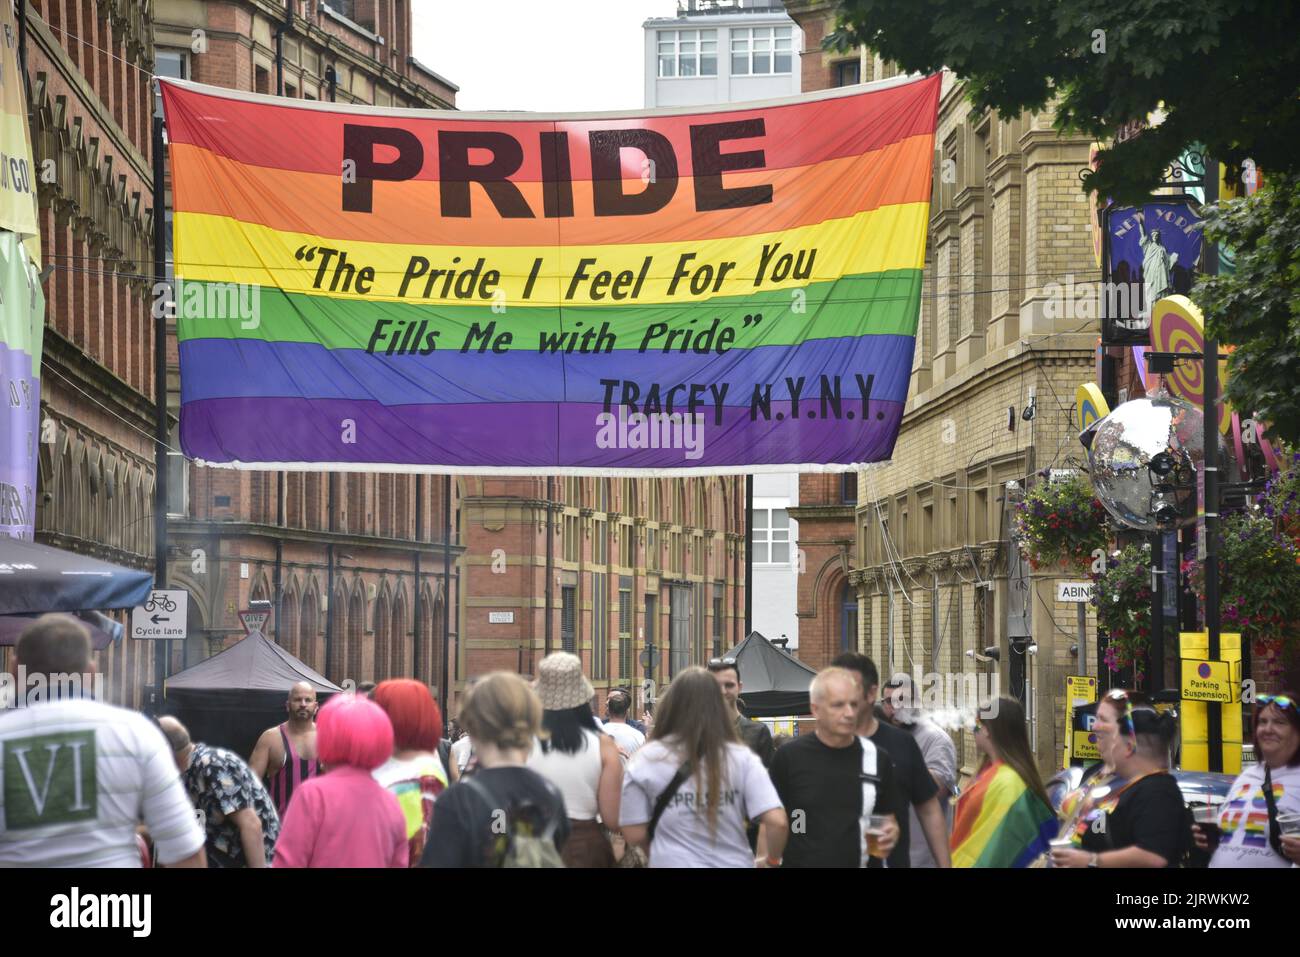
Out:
{"x": 36, "y": 578}
{"x": 103, "y": 630}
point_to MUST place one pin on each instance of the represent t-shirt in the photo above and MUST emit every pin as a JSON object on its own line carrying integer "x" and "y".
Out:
{"x": 466, "y": 831}
{"x": 76, "y": 776}
{"x": 1150, "y": 813}
{"x": 912, "y": 777}
{"x": 940, "y": 756}
{"x": 625, "y": 736}
{"x": 682, "y": 836}
{"x": 1243, "y": 818}
{"x": 821, "y": 788}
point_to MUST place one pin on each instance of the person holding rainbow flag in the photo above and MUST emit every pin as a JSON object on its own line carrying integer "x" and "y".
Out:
{"x": 1004, "y": 819}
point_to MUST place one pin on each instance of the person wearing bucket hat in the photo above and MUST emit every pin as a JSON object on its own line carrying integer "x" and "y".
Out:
{"x": 578, "y": 759}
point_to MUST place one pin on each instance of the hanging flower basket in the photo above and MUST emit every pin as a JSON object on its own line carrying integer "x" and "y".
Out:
{"x": 1122, "y": 596}
{"x": 1061, "y": 524}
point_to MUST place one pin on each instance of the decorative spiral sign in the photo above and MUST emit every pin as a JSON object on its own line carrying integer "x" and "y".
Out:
{"x": 1178, "y": 326}
{"x": 1090, "y": 405}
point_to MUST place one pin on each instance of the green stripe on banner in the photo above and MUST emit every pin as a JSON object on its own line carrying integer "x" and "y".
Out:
{"x": 875, "y": 304}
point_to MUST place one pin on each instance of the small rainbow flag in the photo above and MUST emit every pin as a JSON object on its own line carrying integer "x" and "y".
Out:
{"x": 999, "y": 822}
{"x": 367, "y": 288}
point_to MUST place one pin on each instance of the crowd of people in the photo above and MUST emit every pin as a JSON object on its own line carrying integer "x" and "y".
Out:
{"x": 530, "y": 775}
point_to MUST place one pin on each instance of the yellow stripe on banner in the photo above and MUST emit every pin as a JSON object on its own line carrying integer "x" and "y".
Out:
{"x": 219, "y": 249}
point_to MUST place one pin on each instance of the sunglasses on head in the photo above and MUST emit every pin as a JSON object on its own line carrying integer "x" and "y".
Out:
{"x": 720, "y": 664}
{"x": 1117, "y": 696}
{"x": 1281, "y": 700}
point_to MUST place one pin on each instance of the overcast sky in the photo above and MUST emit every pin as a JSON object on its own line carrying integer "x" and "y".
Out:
{"x": 556, "y": 57}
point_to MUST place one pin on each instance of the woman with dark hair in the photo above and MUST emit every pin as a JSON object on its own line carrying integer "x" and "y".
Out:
{"x": 1251, "y": 834}
{"x": 693, "y": 788}
{"x": 578, "y": 759}
{"x": 1004, "y": 819}
{"x": 1143, "y": 821}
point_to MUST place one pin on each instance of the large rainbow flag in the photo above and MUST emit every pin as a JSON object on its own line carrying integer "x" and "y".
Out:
{"x": 999, "y": 822}
{"x": 680, "y": 291}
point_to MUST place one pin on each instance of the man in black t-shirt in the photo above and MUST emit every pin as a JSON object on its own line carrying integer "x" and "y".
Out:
{"x": 916, "y": 786}
{"x": 818, "y": 777}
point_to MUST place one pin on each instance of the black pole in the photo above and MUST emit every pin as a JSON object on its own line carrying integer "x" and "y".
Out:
{"x": 416, "y": 633}
{"x": 1109, "y": 386}
{"x": 22, "y": 43}
{"x": 1210, "y": 407}
{"x": 550, "y": 565}
{"x": 329, "y": 610}
{"x": 446, "y": 591}
{"x": 160, "y": 386}
{"x": 1156, "y": 677}
{"x": 749, "y": 556}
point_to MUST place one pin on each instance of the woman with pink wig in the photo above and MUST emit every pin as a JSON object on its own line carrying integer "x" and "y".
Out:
{"x": 345, "y": 818}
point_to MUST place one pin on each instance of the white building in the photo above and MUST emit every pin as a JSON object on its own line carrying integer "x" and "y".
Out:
{"x": 720, "y": 52}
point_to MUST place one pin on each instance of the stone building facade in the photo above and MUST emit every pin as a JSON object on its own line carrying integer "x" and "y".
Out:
{"x": 921, "y": 546}
{"x": 88, "y": 67}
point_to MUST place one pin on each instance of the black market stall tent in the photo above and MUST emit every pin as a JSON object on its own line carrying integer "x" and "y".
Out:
{"x": 232, "y": 697}
{"x": 775, "y": 683}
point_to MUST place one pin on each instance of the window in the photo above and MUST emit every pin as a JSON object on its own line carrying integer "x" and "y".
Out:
{"x": 170, "y": 63}
{"x": 624, "y": 633}
{"x": 847, "y": 72}
{"x": 687, "y": 53}
{"x": 761, "y": 51}
{"x": 572, "y": 538}
{"x": 849, "y": 488}
{"x": 178, "y": 479}
{"x": 599, "y": 626}
{"x": 568, "y": 618}
{"x": 626, "y": 546}
{"x": 698, "y": 554}
{"x": 717, "y": 619}
{"x": 652, "y": 548}
{"x": 600, "y": 541}
{"x": 771, "y": 536}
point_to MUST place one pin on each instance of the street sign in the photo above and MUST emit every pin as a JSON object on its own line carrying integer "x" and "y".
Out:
{"x": 1210, "y": 680}
{"x": 162, "y": 617}
{"x": 254, "y": 620}
{"x": 1080, "y": 741}
{"x": 1074, "y": 591}
{"x": 501, "y": 618}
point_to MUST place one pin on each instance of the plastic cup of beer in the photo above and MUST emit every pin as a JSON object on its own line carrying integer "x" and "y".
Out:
{"x": 876, "y": 824}
{"x": 1289, "y": 823}
{"x": 1206, "y": 817}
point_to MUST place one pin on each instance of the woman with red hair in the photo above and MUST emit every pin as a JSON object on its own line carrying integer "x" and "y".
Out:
{"x": 414, "y": 773}
{"x": 345, "y": 818}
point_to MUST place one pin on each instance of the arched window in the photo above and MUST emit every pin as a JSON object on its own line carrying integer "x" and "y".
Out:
{"x": 848, "y": 618}
{"x": 399, "y": 651}
{"x": 383, "y": 619}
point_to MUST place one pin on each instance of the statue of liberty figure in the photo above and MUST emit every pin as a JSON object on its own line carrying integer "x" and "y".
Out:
{"x": 1157, "y": 269}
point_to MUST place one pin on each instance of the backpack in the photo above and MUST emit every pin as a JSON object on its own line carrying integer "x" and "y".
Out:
{"x": 529, "y": 838}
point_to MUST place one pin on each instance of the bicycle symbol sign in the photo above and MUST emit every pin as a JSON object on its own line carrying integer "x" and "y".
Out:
{"x": 162, "y": 616}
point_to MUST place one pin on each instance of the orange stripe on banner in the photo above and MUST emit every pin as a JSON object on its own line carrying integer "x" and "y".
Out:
{"x": 409, "y": 212}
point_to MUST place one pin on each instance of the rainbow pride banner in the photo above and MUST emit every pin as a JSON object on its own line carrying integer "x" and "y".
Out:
{"x": 676, "y": 291}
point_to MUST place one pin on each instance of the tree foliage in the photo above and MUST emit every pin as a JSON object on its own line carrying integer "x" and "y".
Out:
{"x": 1225, "y": 72}
{"x": 1257, "y": 307}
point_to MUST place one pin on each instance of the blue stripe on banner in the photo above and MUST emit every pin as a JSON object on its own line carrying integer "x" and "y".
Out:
{"x": 250, "y": 368}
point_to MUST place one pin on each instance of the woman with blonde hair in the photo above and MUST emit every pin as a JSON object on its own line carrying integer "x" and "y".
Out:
{"x": 690, "y": 792}
{"x": 504, "y": 717}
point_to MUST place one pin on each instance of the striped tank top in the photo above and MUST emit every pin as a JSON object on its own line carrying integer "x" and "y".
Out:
{"x": 292, "y": 773}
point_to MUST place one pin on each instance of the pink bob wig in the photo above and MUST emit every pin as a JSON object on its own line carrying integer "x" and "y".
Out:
{"x": 417, "y": 720}
{"x": 354, "y": 731}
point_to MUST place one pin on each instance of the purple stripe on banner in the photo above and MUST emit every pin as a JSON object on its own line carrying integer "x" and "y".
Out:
{"x": 20, "y": 442}
{"x": 533, "y": 435}
{"x": 223, "y": 368}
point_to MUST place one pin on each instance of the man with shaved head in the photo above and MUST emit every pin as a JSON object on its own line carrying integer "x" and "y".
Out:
{"x": 285, "y": 756}
{"x": 236, "y": 812}
{"x": 832, "y": 781}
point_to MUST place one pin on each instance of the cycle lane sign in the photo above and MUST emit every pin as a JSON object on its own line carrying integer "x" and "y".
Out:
{"x": 162, "y": 617}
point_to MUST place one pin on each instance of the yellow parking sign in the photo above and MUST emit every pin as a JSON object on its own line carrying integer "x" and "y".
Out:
{"x": 1211, "y": 680}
